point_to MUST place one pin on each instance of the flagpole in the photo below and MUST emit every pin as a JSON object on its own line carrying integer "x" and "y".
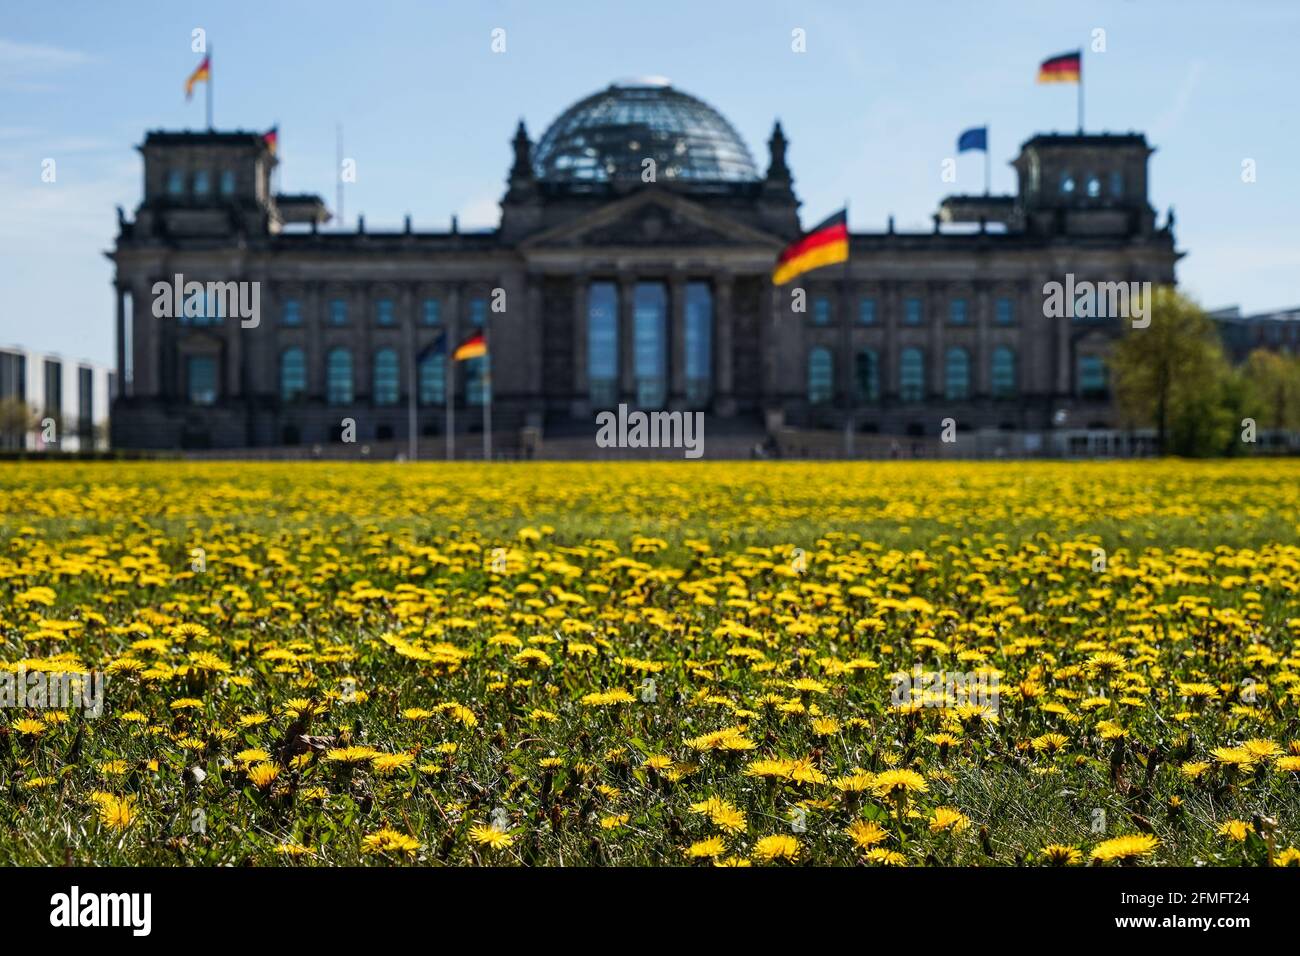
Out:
{"x": 209, "y": 89}
{"x": 449, "y": 394}
{"x": 846, "y": 338}
{"x": 987, "y": 188}
{"x": 411, "y": 386}
{"x": 1080, "y": 91}
{"x": 487, "y": 391}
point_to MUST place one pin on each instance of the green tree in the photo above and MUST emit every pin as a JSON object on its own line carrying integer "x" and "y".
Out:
{"x": 15, "y": 421}
{"x": 1274, "y": 383}
{"x": 1173, "y": 375}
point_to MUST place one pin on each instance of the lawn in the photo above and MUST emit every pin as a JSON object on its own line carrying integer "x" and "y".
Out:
{"x": 682, "y": 663}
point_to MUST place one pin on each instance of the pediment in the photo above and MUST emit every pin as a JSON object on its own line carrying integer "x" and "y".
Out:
{"x": 651, "y": 218}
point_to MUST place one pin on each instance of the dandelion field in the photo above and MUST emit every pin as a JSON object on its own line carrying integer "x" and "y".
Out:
{"x": 653, "y": 663}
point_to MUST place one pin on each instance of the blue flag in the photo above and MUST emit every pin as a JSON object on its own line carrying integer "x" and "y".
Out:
{"x": 437, "y": 347}
{"x": 977, "y": 137}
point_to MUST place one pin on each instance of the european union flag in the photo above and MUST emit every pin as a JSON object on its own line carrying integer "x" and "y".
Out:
{"x": 437, "y": 347}
{"x": 977, "y": 137}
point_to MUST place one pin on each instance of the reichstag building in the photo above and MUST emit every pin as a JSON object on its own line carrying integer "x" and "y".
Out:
{"x": 632, "y": 264}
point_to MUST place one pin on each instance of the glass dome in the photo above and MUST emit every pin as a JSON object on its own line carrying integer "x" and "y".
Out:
{"x": 608, "y": 136}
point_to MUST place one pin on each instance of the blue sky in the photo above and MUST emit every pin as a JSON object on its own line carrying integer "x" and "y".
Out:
{"x": 871, "y": 109}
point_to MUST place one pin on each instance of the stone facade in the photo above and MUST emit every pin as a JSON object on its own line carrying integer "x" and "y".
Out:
{"x": 610, "y": 288}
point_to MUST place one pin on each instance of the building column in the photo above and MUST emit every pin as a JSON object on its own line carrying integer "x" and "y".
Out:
{"x": 407, "y": 320}
{"x": 234, "y": 358}
{"x": 361, "y": 322}
{"x": 676, "y": 341}
{"x": 1062, "y": 383}
{"x": 580, "y": 401}
{"x": 626, "y": 338}
{"x": 935, "y": 308}
{"x": 770, "y": 399}
{"x": 147, "y": 362}
{"x": 451, "y": 381}
{"x": 313, "y": 320}
{"x": 120, "y": 341}
{"x": 891, "y": 302}
{"x": 984, "y": 320}
{"x": 724, "y": 401}
{"x": 847, "y": 370}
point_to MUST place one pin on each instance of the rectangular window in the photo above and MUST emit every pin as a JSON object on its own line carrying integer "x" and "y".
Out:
{"x": 867, "y": 311}
{"x": 338, "y": 312}
{"x": 1092, "y": 377}
{"x": 912, "y": 311}
{"x": 867, "y": 376}
{"x": 649, "y": 341}
{"x": 202, "y": 184}
{"x": 699, "y": 343}
{"x": 13, "y": 376}
{"x": 175, "y": 183}
{"x": 385, "y": 313}
{"x": 85, "y": 405}
{"x": 957, "y": 312}
{"x": 292, "y": 312}
{"x": 201, "y": 379}
{"x": 821, "y": 310}
{"x": 432, "y": 314}
{"x": 227, "y": 182}
{"x": 1004, "y": 312}
{"x": 478, "y": 387}
{"x": 602, "y": 344}
{"x": 53, "y": 388}
{"x": 478, "y": 312}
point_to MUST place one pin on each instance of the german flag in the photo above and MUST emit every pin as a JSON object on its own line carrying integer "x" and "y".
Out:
{"x": 472, "y": 347}
{"x": 824, "y": 246}
{"x": 272, "y": 138}
{"x": 1066, "y": 68}
{"x": 202, "y": 74}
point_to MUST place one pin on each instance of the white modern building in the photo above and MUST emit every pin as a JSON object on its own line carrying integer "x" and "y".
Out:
{"x": 49, "y": 403}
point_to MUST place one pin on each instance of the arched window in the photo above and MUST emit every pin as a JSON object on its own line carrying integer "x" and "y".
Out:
{"x": 386, "y": 383}
{"x": 956, "y": 375}
{"x": 1092, "y": 376}
{"x": 338, "y": 377}
{"x": 602, "y": 344}
{"x": 433, "y": 379}
{"x": 699, "y": 343}
{"x": 911, "y": 375}
{"x": 293, "y": 374}
{"x": 821, "y": 378}
{"x": 1004, "y": 372}
{"x": 867, "y": 376}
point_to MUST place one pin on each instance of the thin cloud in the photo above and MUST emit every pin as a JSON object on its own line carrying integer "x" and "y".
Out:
{"x": 27, "y": 67}
{"x": 1169, "y": 120}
